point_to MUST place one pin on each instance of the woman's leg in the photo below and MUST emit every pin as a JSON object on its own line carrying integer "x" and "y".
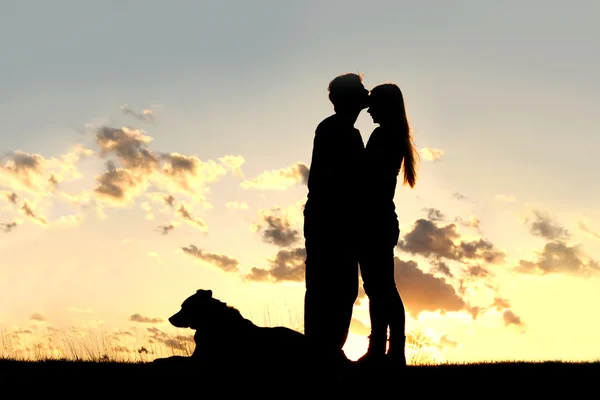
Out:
{"x": 396, "y": 314}
{"x": 397, "y": 321}
{"x": 379, "y": 325}
{"x": 371, "y": 272}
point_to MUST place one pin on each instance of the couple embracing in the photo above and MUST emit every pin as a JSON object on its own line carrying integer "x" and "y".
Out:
{"x": 350, "y": 222}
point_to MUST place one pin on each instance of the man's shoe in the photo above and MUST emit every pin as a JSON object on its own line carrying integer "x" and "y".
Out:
{"x": 372, "y": 360}
{"x": 396, "y": 360}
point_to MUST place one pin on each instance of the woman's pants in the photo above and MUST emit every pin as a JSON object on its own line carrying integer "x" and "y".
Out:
{"x": 385, "y": 304}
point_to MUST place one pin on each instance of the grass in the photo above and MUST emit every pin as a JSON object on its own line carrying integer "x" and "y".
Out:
{"x": 108, "y": 359}
{"x": 94, "y": 345}
{"x": 97, "y": 345}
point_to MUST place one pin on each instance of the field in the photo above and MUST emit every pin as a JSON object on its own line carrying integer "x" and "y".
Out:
{"x": 549, "y": 379}
{"x": 79, "y": 361}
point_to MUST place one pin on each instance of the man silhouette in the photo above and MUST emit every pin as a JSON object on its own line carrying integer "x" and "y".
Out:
{"x": 330, "y": 222}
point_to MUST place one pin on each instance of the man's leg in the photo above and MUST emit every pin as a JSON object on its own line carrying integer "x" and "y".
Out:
{"x": 313, "y": 299}
{"x": 341, "y": 289}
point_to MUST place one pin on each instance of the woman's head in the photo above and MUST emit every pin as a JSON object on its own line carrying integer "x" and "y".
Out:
{"x": 386, "y": 107}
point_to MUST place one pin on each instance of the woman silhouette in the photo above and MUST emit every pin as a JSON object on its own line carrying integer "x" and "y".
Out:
{"x": 389, "y": 147}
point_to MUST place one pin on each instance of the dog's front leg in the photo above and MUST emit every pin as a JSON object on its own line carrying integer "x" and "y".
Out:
{"x": 174, "y": 361}
{"x": 200, "y": 358}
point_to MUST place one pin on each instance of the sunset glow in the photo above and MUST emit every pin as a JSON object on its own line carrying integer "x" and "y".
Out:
{"x": 157, "y": 150}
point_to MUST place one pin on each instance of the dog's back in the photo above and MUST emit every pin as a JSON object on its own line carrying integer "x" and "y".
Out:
{"x": 279, "y": 345}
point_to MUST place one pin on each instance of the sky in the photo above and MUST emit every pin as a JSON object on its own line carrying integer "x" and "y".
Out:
{"x": 150, "y": 149}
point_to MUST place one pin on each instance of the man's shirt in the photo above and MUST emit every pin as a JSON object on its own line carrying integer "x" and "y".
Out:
{"x": 333, "y": 182}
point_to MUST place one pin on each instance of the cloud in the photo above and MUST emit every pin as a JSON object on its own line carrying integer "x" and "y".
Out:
{"x": 81, "y": 200}
{"x": 584, "y": 228}
{"x": 145, "y": 115}
{"x": 186, "y": 174}
{"x": 423, "y": 291}
{"x": 558, "y": 257}
{"x": 35, "y": 174}
{"x": 25, "y": 169}
{"x": 500, "y": 303}
{"x": 170, "y": 200}
{"x": 144, "y": 320}
{"x": 420, "y": 290}
{"x": 430, "y": 240}
{"x": 510, "y": 318}
{"x": 165, "y": 229}
{"x": 177, "y": 342}
{"x": 156, "y": 256}
{"x": 287, "y": 266}
{"x": 233, "y": 163}
{"x": 118, "y": 186}
{"x": 120, "y": 333}
{"x": 37, "y": 317}
{"x": 10, "y": 197}
{"x": 431, "y": 154}
{"x": 544, "y": 227}
{"x": 477, "y": 271}
{"x": 8, "y": 227}
{"x": 235, "y": 205}
{"x": 445, "y": 342}
{"x": 442, "y": 268}
{"x": 471, "y": 222}
{"x": 28, "y": 211}
{"x": 225, "y": 263}
{"x": 460, "y": 196}
{"x": 69, "y": 220}
{"x": 275, "y": 228}
{"x": 194, "y": 221}
{"x": 434, "y": 214}
{"x": 146, "y": 206}
{"x": 148, "y": 209}
{"x": 279, "y": 179}
{"x": 481, "y": 249}
{"x": 163, "y": 199}
{"x": 53, "y": 179}
{"x": 173, "y": 172}
{"x": 129, "y": 145}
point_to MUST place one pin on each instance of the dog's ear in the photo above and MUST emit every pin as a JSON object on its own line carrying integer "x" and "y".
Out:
{"x": 204, "y": 292}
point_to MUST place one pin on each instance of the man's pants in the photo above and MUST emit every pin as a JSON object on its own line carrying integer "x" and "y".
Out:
{"x": 331, "y": 290}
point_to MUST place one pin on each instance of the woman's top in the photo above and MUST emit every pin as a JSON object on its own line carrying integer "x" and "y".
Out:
{"x": 384, "y": 154}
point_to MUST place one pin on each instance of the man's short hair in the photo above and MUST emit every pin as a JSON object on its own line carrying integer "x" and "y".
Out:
{"x": 344, "y": 88}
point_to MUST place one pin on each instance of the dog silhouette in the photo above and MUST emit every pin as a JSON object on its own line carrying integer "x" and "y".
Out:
{"x": 224, "y": 338}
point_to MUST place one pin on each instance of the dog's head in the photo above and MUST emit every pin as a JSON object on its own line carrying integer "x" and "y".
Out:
{"x": 193, "y": 310}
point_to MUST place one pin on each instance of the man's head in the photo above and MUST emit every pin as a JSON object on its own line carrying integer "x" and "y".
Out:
{"x": 347, "y": 93}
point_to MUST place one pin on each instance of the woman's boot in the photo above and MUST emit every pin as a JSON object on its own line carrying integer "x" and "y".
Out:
{"x": 375, "y": 356}
{"x": 396, "y": 357}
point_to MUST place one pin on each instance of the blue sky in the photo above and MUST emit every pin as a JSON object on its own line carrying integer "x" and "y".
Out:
{"x": 508, "y": 92}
